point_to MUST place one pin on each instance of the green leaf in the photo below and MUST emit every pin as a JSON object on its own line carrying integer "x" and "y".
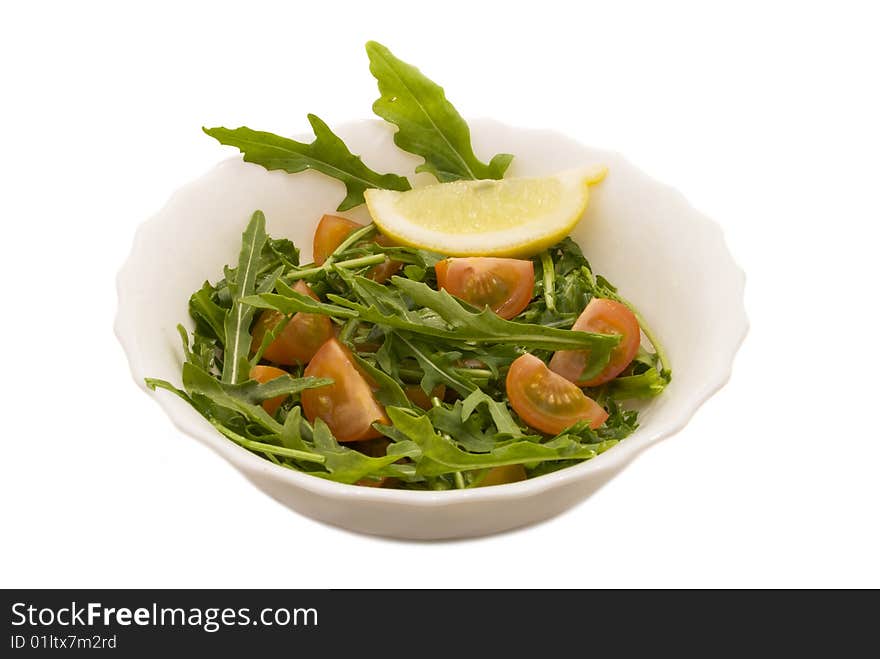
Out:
{"x": 197, "y": 381}
{"x": 244, "y": 398}
{"x": 344, "y": 464}
{"x": 428, "y": 125}
{"x": 238, "y": 319}
{"x": 442, "y": 456}
{"x": 415, "y": 272}
{"x": 468, "y": 433}
{"x": 499, "y": 412}
{"x": 208, "y": 396}
{"x": 386, "y": 356}
{"x": 207, "y": 313}
{"x": 489, "y": 327}
{"x": 291, "y": 433}
{"x": 290, "y": 302}
{"x": 284, "y": 385}
{"x": 462, "y": 325}
{"x": 390, "y": 392}
{"x": 156, "y": 383}
{"x": 620, "y": 423}
{"x": 438, "y": 367}
{"x": 411, "y": 255}
{"x": 644, "y": 385}
{"x": 268, "y": 450}
{"x": 285, "y": 251}
{"x": 326, "y": 154}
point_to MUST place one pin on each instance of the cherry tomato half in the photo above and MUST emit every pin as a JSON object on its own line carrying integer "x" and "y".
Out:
{"x": 300, "y": 338}
{"x": 547, "y": 401}
{"x": 601, "y": 316}
{"x": 347, "y": 406}
{"x": 330, "y": 233}
{"x": 503, "y": 285}
{"x": 264, "y": 374}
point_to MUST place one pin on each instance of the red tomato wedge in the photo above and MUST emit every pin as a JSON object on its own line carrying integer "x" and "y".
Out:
{"x": 300, "y": 338}
{"x": 265, "y": 374}
{"x": 332, "y": 230}
{"x": 601, "y": 316}
{"x": 347, "y": 406}
{"x": 503, "y": 285}
{"x": 547, "y": 401}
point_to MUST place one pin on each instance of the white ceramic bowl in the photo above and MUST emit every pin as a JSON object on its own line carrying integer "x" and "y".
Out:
{"x": 666, "y": 257}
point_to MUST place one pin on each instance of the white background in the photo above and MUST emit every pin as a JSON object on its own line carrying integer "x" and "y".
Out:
{"x": 764, "y": 114}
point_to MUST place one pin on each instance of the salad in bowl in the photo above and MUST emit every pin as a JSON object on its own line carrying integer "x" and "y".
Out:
{"x": 459, "y": 340}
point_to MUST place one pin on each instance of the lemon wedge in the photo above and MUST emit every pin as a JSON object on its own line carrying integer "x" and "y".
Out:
{"x": 510, "y": 217}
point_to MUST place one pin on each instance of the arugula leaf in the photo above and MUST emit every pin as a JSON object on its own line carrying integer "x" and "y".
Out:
{"x": 390, "y": 392}
{"x": 268, "y": 450}
{"x": 621, "y": 423}
{"x": 284, "y": 251}
{"x": 438, "y": 366}
{"x": 326, "y": 154}
{"x": 442, "y": 456}
{"x": 498, "y": 411}
{"x": 204, "y": 349}
{"x": 157, "y": 383}
{"x": 386, "y": 356}
{"x": 468, "y": 433}
{"x": 644, "y": 385}
{"x": 428, "y": 124}
{"x": 347, "y": 465}
{"x": 414, "y": 272}
{"x": 548, "y": 280}
{"x": 462, "y": 325}
{"x": 485, "y": 325}
{"x": 237, "y": 336}
{"x": 291, "y": 433}
{"x": 284, "y": 385}
{"x": 210, "y": 398}
{"x": 412, "y": 255}
{"x": 493, "y": 358}
{"x": 209, "y": 316}
{"x": 244, "y": 398}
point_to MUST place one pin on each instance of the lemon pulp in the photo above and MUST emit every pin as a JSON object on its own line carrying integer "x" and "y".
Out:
{"x": 509, "y": 217}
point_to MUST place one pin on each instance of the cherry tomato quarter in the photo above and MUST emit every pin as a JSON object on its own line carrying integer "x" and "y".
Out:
{"x": 301, "y": 337}
{"x": 347, "y": 406}
{"x": 264, "y": 374}
{"x": 330, "y": 233}
{"x": 601, "y": 316}
{"x": 503, "y": 285}
{"x": 547, "y": 401}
